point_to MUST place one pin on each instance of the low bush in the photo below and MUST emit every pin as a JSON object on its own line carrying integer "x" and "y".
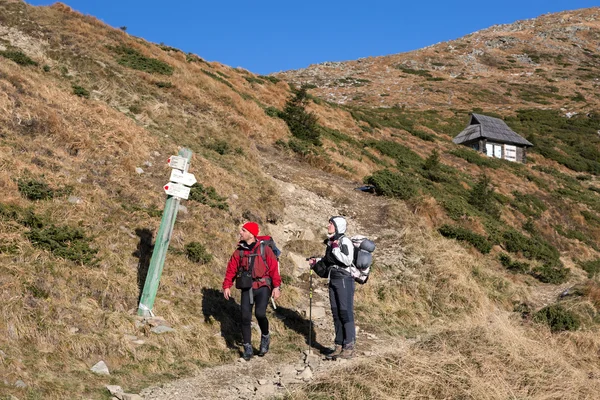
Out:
{"x": 65, "y": 242}
{"x": 388, "y": 183}
{"x": 207, "y": 195}
{"x": 531, "y": 247}
{"x": 18, "y": 56}
{"x": 34, "y": 189}
{"x": 197, "y": 253}
{"x": 132, "y": 58}
{"x": 273, "y": 112}
{"x": 480, "y": 242}
{"x": 554, "y": 274}
{"x": 514, "y": 266}
{"x": 591, "y": 267}
{"x": 557, "y": 318}
{"x": 81, "y": 91}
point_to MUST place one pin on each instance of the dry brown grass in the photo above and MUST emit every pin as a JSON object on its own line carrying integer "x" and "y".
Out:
{"x": 58, "y": 317}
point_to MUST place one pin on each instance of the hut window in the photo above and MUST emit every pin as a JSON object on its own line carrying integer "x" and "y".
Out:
{"x": 493, "y": 150}
{"x": 510, "y": 152}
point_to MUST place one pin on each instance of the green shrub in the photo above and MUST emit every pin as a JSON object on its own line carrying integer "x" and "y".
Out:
{"x": 475, "y": 157}
{"x": 557, "y": 318}
{"x": 300, "y": 147}
{"x": 207, "y": 196}
{"x": 46, "y": 68}
{"x": 554, "y": 274}
{"x": 531, "y": 247}
{"x": 65, "y": 242}
{"x": 132, "y": 58}
{"x": 591, "y": 267}
{"x": 513, "y": 266}
{"x": 419, "y": 72}
{"x": 591, "y": 217}
{"x": 287, "y": 279}
{"x": 35, "y": 190}
{"x": 80, "y": 91}
{"x": 18, "y": 56}
{"x": 480, "y": 242}
{"x": 482, "y": 197}
{"x": 252, "y": 79}
{"x": 303, "y": 125}
{"x": 528, "y": 204}
{"x": 403, "y": 156}
{"x": 163, "y": 84}
{"x": 220, "y": 146}
{"x": 217, "y": 78}
{"x": 197, "y": 253}
{"x": 388, "y": 183}
{"x": 273, "y": 112}
{"x": 9, "y": 212}
{"x": 269, "y": 78}
{"x": 428, "y": 137}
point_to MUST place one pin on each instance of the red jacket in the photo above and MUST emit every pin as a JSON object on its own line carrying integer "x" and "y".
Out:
{"x": 235, "y": 262}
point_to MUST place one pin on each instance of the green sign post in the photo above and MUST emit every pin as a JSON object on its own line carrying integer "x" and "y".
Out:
{"x": 176, "y": 190}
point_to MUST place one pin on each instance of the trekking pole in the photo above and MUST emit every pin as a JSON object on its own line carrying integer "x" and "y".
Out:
{"x": 310, "y": 310}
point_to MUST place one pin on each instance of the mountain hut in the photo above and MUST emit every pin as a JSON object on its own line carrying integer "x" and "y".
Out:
{"x": 493, "y": 137}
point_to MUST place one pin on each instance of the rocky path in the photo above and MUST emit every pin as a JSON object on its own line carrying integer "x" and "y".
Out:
{"x": 311, "y": 197}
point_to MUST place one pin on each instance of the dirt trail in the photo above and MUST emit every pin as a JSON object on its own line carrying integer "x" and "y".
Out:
{"x": 311, "y": 196}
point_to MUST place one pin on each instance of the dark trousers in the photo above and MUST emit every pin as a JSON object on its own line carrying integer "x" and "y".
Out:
{"x": 261, "y": 299}
{"x": 341, "y": 297}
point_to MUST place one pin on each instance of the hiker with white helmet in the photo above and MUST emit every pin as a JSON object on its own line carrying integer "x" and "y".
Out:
{"x": 337, "y": 262}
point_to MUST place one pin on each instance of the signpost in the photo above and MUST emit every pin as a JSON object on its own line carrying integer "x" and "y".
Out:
{"x": 176, "y": 190}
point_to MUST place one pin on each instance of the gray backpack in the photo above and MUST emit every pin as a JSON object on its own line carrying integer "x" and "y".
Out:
{"x": 363, "y": 258}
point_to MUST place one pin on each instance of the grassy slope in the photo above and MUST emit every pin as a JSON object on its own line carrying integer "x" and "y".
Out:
{"x": 59, "y": 317}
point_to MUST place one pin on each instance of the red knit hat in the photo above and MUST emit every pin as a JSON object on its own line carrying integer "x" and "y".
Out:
{"x": 251, "y": 227}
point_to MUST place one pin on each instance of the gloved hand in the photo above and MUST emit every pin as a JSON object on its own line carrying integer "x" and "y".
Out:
{"x": 312, "y": 262}
{"x": 334, "y": 244}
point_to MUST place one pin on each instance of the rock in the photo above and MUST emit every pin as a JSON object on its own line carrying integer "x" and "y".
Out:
{"x": 20, "y": 384}
{"x": 139, "y": 171}
{"x": 306, "y": 375}
{"x": 74, "y": 200}
{"x": 130, "y": 396}
{"x": 317, "y": 312}
{"x": 162, "y": 329}
{"x": 266, "y": 390}
{"x": 114, "y": 390}
{"x": 100, "y": 368}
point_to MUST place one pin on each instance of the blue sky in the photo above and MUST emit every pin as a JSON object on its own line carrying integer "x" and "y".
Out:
{"x": 272, "y": 36}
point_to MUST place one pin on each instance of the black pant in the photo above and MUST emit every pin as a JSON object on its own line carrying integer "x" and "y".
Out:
{"x": 341, "y": 298}
{"x": 261, "y": 299}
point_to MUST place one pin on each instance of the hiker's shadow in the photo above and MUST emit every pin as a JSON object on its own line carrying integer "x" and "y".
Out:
{"x": 293, "y": 320}
{"x": 144, "y": 254}
{"x": 226, "y": 312}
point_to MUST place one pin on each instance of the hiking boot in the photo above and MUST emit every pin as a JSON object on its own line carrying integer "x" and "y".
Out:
{"x": 248, "y": 352}
{"x": 265, "y": 340}
{"x": 348, "y": 351}
{"x": 336, "y": 352}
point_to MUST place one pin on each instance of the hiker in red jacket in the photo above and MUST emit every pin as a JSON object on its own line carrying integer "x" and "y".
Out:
{"x": 255, "y": 269}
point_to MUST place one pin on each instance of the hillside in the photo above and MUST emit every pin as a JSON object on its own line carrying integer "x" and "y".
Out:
{"x": 89, "y": 115}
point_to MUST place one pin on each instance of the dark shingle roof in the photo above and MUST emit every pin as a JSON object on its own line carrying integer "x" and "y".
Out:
{"x": 482, "y": 126}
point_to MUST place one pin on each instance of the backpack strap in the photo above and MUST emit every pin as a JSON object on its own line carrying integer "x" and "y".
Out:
{"x": 261, "y": 252}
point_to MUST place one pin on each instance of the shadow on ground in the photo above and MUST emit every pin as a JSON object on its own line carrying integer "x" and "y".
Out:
{"x": 226, "y": 312}
{"x": 293, "y": 320}
{"x": 144, "y": 254}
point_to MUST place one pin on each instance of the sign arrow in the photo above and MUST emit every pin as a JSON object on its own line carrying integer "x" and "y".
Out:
{"x": 177, "y": 162}
{"x": 177, "y": 190}
{"x": 185, "y": 178}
